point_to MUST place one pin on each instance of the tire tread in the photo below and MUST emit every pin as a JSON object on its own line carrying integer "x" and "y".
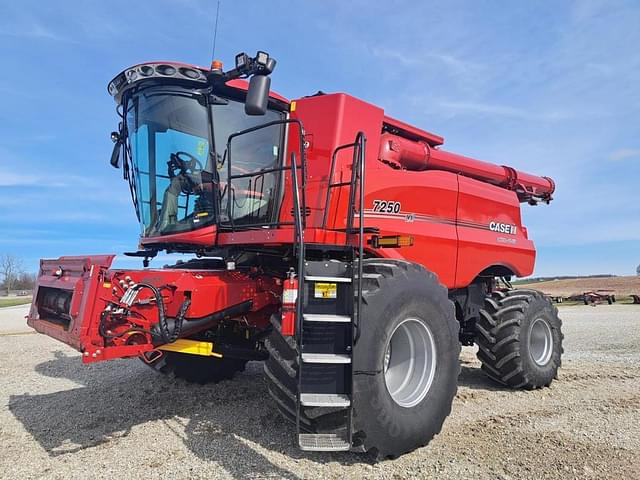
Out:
{"x": 499, "y": 334}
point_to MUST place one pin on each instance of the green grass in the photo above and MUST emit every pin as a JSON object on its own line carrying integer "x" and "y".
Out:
{"x": 12, "y": 302}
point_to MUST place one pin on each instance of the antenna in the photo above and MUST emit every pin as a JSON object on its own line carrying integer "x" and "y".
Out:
{"x": 215, "y": 32}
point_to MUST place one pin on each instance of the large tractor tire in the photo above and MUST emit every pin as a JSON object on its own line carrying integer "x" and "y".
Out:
{"x": 198, "y": 368}
{"x": 520, "y": 339}
{"x": 405, "y": 362}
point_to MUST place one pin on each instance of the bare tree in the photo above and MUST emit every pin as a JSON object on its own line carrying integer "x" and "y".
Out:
{"x": 25, "y": 281}
{"x": 638, "y": 270}
{"x": 10, "y": 269}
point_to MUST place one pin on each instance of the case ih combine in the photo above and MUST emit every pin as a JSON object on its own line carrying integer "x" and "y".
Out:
{"x": 343, "y": 247}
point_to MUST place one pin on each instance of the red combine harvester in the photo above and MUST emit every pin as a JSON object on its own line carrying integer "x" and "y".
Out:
{"x": 339, "y": 245}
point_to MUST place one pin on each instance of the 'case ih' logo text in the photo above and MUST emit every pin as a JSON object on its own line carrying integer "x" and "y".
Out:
{"x": 502, "y": 228}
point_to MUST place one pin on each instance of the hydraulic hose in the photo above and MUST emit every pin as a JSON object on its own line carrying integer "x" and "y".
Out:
{"x": 167, "y": 335}
{"x": 177, "y": 327}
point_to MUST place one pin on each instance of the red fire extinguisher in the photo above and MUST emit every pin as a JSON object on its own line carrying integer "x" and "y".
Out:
{"x": 289, "y": 298}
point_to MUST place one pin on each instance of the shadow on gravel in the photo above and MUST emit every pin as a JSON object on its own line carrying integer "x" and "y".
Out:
{"x": 228, "y": 423}
{"x": 471, "y": 376}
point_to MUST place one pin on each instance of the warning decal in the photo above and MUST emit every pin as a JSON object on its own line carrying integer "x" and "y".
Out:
{"x": 325, "y": 290}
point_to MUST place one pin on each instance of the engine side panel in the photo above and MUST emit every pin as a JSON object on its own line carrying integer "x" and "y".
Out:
{"x": 490, "y": 231}
{"x": 417, "y": 204}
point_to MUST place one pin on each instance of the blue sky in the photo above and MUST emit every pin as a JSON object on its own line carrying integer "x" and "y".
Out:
{"x": 548, "y": 87}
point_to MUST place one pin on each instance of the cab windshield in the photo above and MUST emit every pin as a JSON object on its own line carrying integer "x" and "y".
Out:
{"x": 177, "y": 173}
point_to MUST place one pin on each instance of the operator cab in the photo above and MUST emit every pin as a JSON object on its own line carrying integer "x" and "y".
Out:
{"x": 173, "y": 142}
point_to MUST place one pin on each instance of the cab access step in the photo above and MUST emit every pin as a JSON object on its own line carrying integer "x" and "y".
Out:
{"x": 325, "y": 346}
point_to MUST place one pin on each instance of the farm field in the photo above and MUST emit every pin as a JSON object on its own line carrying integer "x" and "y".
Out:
{"x": 623, "y": 286}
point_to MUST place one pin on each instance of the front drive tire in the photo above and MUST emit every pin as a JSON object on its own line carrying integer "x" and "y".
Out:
{"x": 404, "y": 306}
{"x": 398, "y": 297}
{"x": 520, "y": 339}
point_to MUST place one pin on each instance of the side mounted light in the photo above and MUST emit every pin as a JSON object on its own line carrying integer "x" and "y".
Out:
{"x": 242, "y": 61}
{"x": 262, "y": 58}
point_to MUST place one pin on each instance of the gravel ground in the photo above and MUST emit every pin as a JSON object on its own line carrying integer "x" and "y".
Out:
{"x": 61, "y": 419}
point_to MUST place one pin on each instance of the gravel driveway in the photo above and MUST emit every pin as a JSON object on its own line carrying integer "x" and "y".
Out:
{"x": 61, "y": 419}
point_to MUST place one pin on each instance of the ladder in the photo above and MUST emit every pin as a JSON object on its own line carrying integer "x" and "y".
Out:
{"x": 328, "y": 317}
{"x": 325, "y": 348}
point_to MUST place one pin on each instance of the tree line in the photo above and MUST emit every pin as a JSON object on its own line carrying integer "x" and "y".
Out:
{"x": 13, "y": 275}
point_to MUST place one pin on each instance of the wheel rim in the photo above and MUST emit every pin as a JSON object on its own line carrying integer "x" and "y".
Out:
{"x": 409, "y": 362}
{"x": 540, "y": 341}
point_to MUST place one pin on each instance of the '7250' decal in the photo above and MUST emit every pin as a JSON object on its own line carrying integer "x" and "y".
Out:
{"x": 386, "y": 206}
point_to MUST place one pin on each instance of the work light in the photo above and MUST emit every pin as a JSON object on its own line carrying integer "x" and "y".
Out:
{"x": 262, "y": 58}
{"x": 242, "y": 60}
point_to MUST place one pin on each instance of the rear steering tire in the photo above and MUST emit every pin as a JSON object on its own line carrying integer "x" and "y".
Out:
{"x": 519, "y": 337}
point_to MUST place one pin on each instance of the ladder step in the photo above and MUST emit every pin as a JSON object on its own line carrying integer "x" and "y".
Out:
{"x": 324, "y": 400}
{"x": 325, "y": 358}
{"x": 322, "y": 317}
{"x": 322, "y": 442}
{"x": 371, "y": 275}
{"x": 316, "y": 278}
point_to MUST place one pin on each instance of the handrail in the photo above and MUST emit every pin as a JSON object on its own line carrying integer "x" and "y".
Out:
{"x": 330, "y": 184}
{"x": 357, "y": 162}
{"x": 356, "y": 183}
{"x": 357, "y": 173}
{"x": 283, "y": 168}
{"x": 299, "y": 235}
{"x": 299, "y": 242}
{"x": 361, "y": 140}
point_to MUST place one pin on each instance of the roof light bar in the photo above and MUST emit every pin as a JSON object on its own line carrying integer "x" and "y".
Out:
{"x": 154, "y": 70}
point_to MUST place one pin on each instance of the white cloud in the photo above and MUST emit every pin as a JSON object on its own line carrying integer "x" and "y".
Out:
{"x": 31, "y": 29}
{"x": 502, "y": 110}
{"x": 453, "y": 64}
{"x": 8, "y": 179}
{"x": 552, "y": 233}
{"x": 600, "y": 68}
{"x": 80, "y": 24}
{"x": 625, "y": 153}
{"x": 74, "y": 215}
{"x": 43, "y": 180}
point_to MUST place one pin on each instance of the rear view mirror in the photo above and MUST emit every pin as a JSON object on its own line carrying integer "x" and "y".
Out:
{"x": 116, "y": 138}
{"x": 115, "y": 155}
{"x": 257, "y": 95}
{"x": 117, "y": 150}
